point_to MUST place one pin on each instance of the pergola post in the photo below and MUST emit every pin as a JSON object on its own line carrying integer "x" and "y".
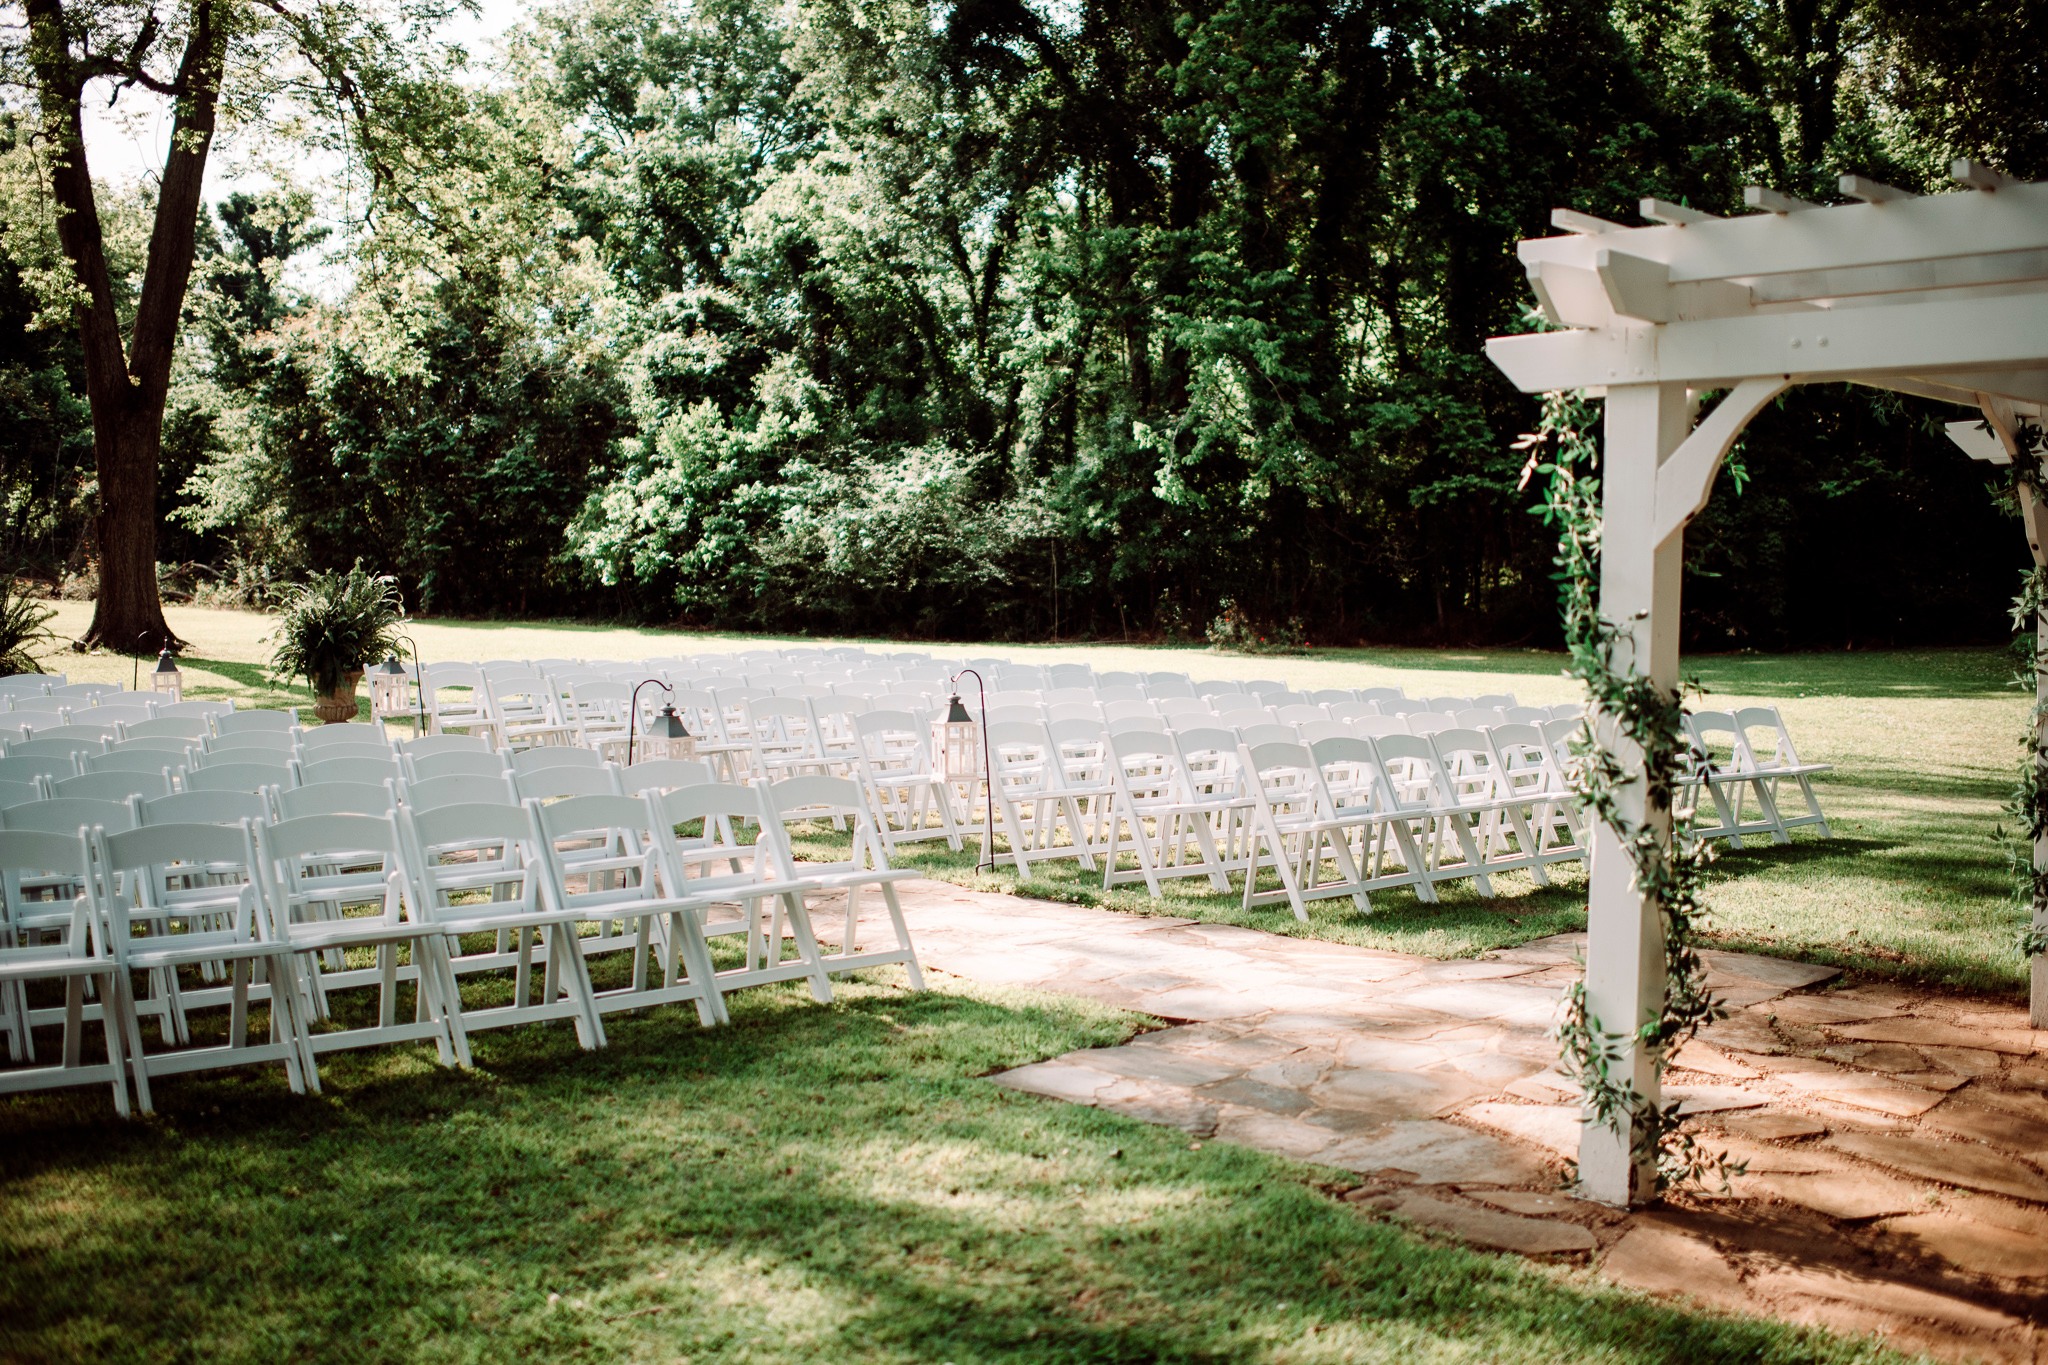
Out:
{"x": 2034, "y": 516}
{"x": 1639, "y": 594}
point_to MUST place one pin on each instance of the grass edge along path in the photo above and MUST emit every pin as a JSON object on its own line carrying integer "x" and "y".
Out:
{"x": 815, "y": 1183}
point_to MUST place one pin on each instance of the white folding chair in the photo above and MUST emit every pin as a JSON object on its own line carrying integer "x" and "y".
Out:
{"x": 713, "y": 867}
{"x": 1771, "y": 750}
{"x": 77, "y": 957}
{"x": 196, "y": 887}
{"x": 1295, "y": 830}
{"x": 802, "y": 799}
{"x": 910, "y": 801}
{"x": 310, "y": 875}
{"x": 613, "y": 877}
{"x": 471, "y": 873}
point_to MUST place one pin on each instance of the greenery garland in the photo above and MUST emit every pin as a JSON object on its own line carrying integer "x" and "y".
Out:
{"x": 2028, "y": 804}
{"x": 1669, "y": 872}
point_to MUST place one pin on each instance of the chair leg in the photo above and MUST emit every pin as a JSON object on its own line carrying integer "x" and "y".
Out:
{"x": 911, "y": 970}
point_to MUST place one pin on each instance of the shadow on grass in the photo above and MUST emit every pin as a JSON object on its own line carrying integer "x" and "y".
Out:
{"x": 819, "y": 1183}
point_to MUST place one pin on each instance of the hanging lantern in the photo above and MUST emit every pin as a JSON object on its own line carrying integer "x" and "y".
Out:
{"x": 387, "y": 688}
{"x": 956, "y": 745}
{"x": 165, "y": 679}
{"x": 667, "y": 737}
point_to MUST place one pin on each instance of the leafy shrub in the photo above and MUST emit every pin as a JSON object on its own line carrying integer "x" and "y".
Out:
{"x": 24, "y": 624}
{"x": 1235, "y": 629}
{"x": 333, "y": 624}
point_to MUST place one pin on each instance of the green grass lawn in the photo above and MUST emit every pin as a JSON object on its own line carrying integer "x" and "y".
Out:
{"x": 1912, "y": 884}
{"x": 816, "y": 1183}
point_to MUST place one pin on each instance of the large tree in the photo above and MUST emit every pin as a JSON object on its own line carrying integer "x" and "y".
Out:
{"x": 240, "y": 61}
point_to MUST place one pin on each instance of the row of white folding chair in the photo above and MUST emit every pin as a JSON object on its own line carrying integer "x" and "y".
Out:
{"x": 1188, "y": 814}
{"x": 293, "y": 875}
{"x": 1748, "y": 754}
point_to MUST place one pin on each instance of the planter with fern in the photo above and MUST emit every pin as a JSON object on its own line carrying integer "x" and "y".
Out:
{"x": 328, "y": 628}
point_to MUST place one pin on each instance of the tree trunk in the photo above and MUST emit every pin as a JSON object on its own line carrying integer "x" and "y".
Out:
{"x": 128, "y": 615}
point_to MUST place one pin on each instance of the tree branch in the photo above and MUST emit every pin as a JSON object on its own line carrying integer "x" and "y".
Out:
{"x": 169, "y": 266}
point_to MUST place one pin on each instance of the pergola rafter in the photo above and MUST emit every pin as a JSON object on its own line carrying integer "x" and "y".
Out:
{"x": 1942, "y": 296}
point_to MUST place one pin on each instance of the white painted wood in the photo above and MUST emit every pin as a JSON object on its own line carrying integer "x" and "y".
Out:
{"x": 1932, "y": 227}
{"x": 1872, "y": 191}
{"x": 2034, "y": 515}
{"x": 1635, "y": 288}
{"x": 1908, "y": 338}
{"x": 1769, "y": 200}
{"x": 1977, "y": 443}
{"x": 1977, "y": 175}
{"x": 1688, "y": 476}
{"x": 1639, "y": 588}
{"x": 1571, "y": 220}
{"x": 1661, "y": 211}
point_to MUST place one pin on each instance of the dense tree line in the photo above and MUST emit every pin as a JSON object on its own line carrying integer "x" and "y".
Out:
{"x": 1012, "y": 319}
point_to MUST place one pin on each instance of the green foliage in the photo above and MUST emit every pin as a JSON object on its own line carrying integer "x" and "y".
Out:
{"x": 24, "y": 627}
{"x": 1010, "y": 321}
{"x": 1234, "y": 630}
{"x": 2028, "y": 804}
{"x": 335, "y": 623}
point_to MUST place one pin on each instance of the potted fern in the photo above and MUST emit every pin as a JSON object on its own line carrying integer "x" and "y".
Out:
{"x": 328, "y": 628}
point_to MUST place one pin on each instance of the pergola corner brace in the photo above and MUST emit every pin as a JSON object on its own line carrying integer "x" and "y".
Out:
{"x": 1687, "y": 477}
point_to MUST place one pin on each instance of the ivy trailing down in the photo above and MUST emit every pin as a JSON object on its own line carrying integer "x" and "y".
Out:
{"x": 2028, "y": 804}
{"x": 1668, "y": 872}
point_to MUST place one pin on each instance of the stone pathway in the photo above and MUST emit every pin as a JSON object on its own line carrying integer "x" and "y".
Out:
{"x": 1895, "y": 1140}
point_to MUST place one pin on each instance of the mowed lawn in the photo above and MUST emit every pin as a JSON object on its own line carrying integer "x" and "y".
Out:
{"x": 839, "y": 1183}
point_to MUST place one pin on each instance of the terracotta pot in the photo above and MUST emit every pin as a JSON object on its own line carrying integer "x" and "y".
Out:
{"x": 339, "y": 705}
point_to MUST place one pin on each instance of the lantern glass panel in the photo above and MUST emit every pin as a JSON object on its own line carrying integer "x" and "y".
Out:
{"x": 166, "y": 680}
{"x": 956, "y": 744}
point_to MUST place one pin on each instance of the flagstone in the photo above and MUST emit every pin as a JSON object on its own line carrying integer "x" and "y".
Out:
{"x": 1771, "y": 971}
{"x": 1967, "y": 1164}
{"x": 1274, "y": 1099}
{"x": 1281, "y": 1133}
{"x": 1770, "y": 1125}
{"x": 1158, "y": 1064}
{"x": 1502, "y": 1001}
{"x": 1438, "y": 1153}
{"x": 1914, "y": 1029}
{"x": 1698, "y": 1056}
{"x": 1850, "y": 1195}
{"x": 1168, "y": 1106}
{"x": 1979, "y": 1247}
{"x": 1544, "y": 1204}
{"x": 1970, "y": 1062}
{"x": 1746, "y": 1033}
{"x": 1398, "y": 1094}
{"x": 1554, "y": 1127}
{"x": 1710, "y": 1099}
{"x": 1492, "y": 1229}
{"x": 1666, "y": 1260}
{"x": 1835, "y": 1007}
{"x": 1873, "y": 1293}
{"x": 1062, "y": 1080}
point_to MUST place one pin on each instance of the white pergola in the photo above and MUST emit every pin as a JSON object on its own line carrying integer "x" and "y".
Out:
{"x": 1944, "y": 296}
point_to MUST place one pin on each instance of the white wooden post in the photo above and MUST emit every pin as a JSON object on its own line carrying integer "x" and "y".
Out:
{"x": 1639, "y": 592}
{"x": 2034, "y": 516}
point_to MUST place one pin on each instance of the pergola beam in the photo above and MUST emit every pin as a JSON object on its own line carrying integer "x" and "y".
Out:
{"x": 1905, "y": 338}
{"x": 1927, "y": 228}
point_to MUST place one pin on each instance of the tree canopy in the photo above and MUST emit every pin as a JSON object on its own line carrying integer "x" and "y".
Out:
{"x": 1017, "y": 319}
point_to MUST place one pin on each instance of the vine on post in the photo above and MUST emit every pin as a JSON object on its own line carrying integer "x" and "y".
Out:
{"x": 1669, "y": 873}
{"x": 2028, "y": 804}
